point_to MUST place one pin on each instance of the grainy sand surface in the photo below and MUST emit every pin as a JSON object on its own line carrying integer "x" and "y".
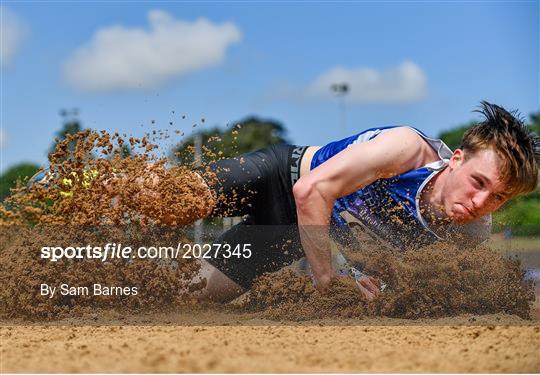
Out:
{"x": 224, "y": 342}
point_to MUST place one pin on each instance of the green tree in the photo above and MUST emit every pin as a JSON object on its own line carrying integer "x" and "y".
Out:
{"x": 19, "y": 172}
{"x": 71, "y": 125}
{"x": 521, "y": 214}
{"x": 248, "y": 135}
{"x": 535, "y": 122}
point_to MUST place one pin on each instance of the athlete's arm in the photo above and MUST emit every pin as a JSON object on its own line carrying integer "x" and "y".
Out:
{"x": 391, "y": 153}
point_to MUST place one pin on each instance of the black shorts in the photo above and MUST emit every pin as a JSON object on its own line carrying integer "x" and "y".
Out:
{"x": 258, "y": 187}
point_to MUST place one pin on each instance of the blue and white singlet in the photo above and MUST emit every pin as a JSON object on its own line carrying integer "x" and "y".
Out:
{"x": 390, "y": 207}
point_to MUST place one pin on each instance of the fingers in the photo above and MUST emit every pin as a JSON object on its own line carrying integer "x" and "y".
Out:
{"x": 365, "y": 292}
{"x": 369, "y": 286}
{"x": 375, "y": 281}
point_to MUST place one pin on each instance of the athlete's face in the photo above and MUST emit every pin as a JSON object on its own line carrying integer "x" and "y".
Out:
{"x": 473, "y": 187}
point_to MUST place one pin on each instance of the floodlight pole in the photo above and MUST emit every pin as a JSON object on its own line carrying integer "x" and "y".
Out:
{"x": 69, "y": 115}
{"x": 340, "y": 90}
{"x": 198, "y": 228}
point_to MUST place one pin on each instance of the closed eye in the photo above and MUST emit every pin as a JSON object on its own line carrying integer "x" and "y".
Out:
{"x": 478, "y": 182}
{"x": 499, "y": 197}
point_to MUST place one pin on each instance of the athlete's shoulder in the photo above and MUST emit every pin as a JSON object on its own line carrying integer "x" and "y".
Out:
{"x": 429, "y": 149}
{"x": 406, "y": 133}
{"x": 409, "y": 135}
{"x": 408, "y": 144}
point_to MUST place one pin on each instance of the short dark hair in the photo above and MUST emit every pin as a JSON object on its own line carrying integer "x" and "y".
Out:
{"x": 516, "y": 145}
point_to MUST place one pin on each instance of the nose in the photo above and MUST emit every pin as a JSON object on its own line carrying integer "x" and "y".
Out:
{"x": 480, "y": 199}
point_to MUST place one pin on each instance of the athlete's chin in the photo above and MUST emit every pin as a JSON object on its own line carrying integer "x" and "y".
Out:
{"x": 459, "y": 216}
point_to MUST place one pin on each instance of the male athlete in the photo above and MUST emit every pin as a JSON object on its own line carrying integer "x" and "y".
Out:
{"x": 407, "y": 188}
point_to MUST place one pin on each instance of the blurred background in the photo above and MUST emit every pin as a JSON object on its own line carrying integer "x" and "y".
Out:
{"x": 303, "y": 73}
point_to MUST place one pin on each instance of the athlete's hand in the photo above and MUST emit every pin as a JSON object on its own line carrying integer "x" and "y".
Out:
{"x": 369, "y": 287}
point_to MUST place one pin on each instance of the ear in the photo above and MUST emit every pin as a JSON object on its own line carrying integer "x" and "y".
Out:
{"x": 457, "y": 159}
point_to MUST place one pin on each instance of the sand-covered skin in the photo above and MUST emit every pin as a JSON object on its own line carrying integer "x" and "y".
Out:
{"x": 257, "y": 345}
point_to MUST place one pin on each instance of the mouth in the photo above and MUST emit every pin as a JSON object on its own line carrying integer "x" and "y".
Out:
{"x": 468, "y": 211}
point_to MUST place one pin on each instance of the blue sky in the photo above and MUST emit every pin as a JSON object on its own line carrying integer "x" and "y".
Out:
{"x": 126, "y": 64}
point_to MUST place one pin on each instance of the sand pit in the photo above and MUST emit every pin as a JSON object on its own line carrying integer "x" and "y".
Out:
{"x": 231, "y": 339}
{"x": 244, "y": 343}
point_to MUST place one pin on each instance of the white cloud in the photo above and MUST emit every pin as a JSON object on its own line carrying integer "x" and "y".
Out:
{"x": 118, "y": 57}
{"x": 403, "y": 83}
{"x": 13, "y": 32}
